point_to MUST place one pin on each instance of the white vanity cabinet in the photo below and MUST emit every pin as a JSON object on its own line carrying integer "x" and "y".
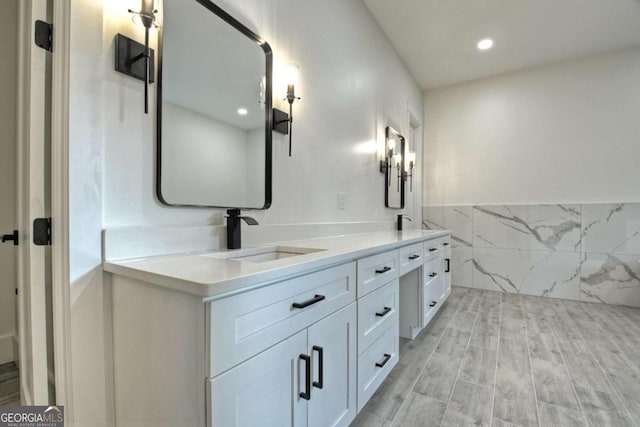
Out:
{"x": 314, "y": 378}
{"x": 304, "y": 346}
{"x": 309, "y": 379}
{"x": 436, "y": 277}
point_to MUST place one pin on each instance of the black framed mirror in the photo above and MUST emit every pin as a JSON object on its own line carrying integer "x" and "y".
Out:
{"x": 214, "y": 109}
{"x": 394, "y": 169}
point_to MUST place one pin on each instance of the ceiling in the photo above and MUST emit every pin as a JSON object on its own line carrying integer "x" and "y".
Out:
{"x": 437, "y": 39}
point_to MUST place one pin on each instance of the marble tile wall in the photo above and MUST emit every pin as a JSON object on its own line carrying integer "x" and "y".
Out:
{"x": 587, "y": 252}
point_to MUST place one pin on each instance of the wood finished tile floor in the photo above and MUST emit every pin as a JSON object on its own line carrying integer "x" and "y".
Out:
{"x": 9, "y": 385}
{"x": 495, "y": 359}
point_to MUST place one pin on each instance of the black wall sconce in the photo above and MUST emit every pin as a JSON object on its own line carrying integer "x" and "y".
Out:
{"x": 133, "y": 58}
{"x": 283, "y": 122}
{"x": 411, "y": 165}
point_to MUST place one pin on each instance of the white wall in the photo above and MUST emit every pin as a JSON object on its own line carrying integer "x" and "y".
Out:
{"x": 214, "y": 154}
{"x": 563, "y": 133}
{"x": 8, "y": 108}
{"x": 353, "y": 86}
{"x": 89, "y": 316}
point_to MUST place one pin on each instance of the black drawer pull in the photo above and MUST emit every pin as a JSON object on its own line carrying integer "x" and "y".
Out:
{"x": 384, "y": 270}
{"x": 446, "y": 244}
{"x": 309, "y": 302}
{"x": 416, "y": 256}
{"x": 320, "y": 350}
{"x": 384, "y": 361}
{"x": 433, "y": 249}
{"x": 306, "y": 394}
{"x": 448, "y": 268}
{"x": 433, "y": 274}
{"x": 433, "y": 304}
{"x": 384, "y": 312}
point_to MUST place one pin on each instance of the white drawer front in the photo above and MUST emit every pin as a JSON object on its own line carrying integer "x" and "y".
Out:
{"x": 431, "y": 270}
{"x": 430, "y": 300}
{"x": 432, "y": 249}
{"x": 376, "y": 312}
{"x": 377, "y": 270}
{"x": 411, "y": 257}
{"x": 384, "y": 351}
{"x": 245, "y": 324}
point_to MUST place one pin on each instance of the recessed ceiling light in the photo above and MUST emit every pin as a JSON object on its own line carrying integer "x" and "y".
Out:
{"x": 485, "y": 44}
{"x": 242, "y": 111}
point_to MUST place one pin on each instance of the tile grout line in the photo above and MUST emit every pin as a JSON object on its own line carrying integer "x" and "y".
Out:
{"x": 466, "y": 349}
{"x": 424, "y": 367}
{"x": 533, "y": 380}
{"x": 602, "y": 371}
{"x": 495, "y": 374}
{"x": 564, "y": 364}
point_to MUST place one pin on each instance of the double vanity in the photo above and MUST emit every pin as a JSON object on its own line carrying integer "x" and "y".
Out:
{"x": 298, "y": 333}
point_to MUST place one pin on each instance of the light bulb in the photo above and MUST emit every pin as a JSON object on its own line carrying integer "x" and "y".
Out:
{"x": 485, "y": 44}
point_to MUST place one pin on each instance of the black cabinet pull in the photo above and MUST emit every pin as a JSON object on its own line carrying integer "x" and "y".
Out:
{"x": 433, "y": 249}
{"x": 416, "y": 256}
{"x": 306, "y": 394}
{"x": 384, "y": 312}
{"x": 320, "y": 350}
{"x": 384, "y": 360}
{"x": 448, "y": 268}
{"x": 446, "y": 244}
{"x": 433, "y": 304}
{"x": 384, "y": 270}
{"x": 433, "y": 274}
{"x": 309, "y": 302}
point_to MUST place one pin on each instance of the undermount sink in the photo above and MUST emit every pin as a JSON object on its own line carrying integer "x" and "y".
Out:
{"x": 271, "y": 253}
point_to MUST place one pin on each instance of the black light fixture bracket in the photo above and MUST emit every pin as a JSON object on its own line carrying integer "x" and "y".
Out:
{"x": 280, "y": 121}
{"x": 130, "y": 58}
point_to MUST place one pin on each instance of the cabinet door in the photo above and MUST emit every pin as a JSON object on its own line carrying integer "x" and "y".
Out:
{"x": 263, "y": 391}
{"x": 332, "y": 344}
{"x": 446, "y": 269}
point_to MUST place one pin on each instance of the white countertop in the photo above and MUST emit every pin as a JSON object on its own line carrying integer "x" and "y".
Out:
{"x": 201, "y": 274}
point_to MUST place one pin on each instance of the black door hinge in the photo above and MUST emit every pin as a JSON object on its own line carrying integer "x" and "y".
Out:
{"x": 42, "y": 231}
{"x": 44, "y": 35}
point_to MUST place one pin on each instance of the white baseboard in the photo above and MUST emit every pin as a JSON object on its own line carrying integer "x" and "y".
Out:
{"x": 6, "y": 349}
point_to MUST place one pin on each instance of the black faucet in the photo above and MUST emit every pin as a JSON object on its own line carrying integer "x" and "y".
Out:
{"x": 400, "y": 218}
{"x": 234, "y": 237}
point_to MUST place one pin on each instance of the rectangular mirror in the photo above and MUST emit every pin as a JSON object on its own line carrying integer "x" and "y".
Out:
{"x": 394, "y": 169}
{"x": 214, "y": 110}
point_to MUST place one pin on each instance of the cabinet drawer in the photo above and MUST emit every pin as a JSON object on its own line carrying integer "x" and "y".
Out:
{"x": 431, "y": 270}
{"x": 375, "y": 364}
{"x": 430, "y": 300}
{"x": 377, "y": 270}
{"x": 376, "y": 312}
{"x": 432, "y": 249}
{"x": 243, "y": 325}
{"x": 411, "y": 257}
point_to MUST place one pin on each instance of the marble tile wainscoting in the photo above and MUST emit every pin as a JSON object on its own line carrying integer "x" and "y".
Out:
{"x": 587, "y": 252}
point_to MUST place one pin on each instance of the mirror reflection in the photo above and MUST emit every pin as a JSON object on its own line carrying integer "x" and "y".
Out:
{"x": 394, "y": 169}
{"x": 214, "y": 109}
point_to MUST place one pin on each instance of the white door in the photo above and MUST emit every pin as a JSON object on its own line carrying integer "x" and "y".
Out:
{"x": 332, "y": 344}
{"x": 263, "y": 391}
{"x": 33, "y": 267}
